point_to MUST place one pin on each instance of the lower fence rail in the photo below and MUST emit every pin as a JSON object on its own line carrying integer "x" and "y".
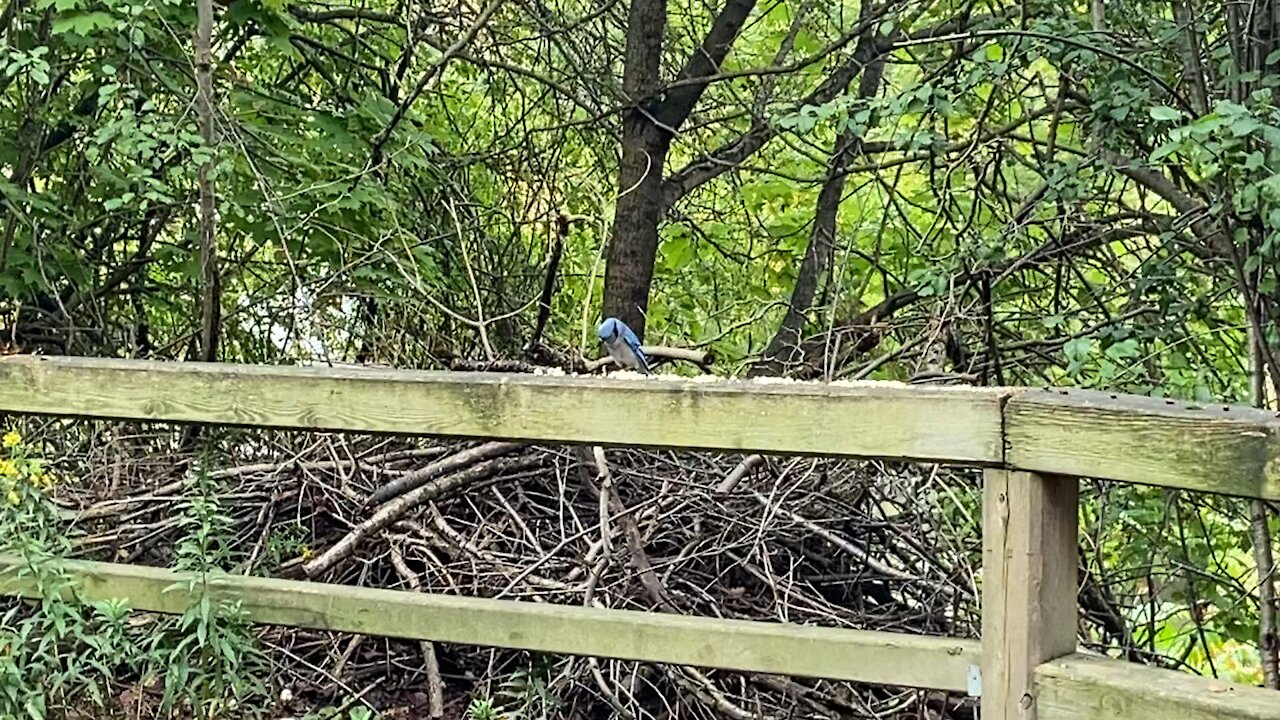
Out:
{"x": 1074, "y": 687}
{"x": 1081, "y": 687}
{"x": 742, "y": 645}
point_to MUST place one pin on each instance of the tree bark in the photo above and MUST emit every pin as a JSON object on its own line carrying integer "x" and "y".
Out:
{"x": 633, "y": 247}
{"x": 210, "y": 297}
{"x": 1189, "y": 46}
{"x": 784, "y": 349}
{"x": 647, "y": 132}
{"x": 1268, "y": 637}
{"x": 549, "y": 282}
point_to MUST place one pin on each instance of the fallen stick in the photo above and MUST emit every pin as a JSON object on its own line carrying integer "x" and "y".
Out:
{"x": 731, "y": 480}
{"x": 435, "y": 685}
{"x": 701, "y": 358}
{"x": 393, "y": 510}
{"x": 417, "y": 478}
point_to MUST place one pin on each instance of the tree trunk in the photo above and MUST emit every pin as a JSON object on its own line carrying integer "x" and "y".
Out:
{"x": 633, "y": 249}
{"x": 784, "y": 349}
{"x": 634, "y": 244}
{"x": 1193, "y": 74}
{"x": 646, "y": 136}
{"x": 1268, "y": 638}
{"x": 645, "y": 193}
{"x": 210, "y": 300}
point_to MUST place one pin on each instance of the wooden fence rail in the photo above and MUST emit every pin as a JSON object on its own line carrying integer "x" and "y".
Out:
{"x": 1034, "y": 444}
{"x": 778, "y": 648}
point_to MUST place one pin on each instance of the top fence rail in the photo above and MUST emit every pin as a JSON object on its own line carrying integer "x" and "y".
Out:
{"x": 1212, "y": 448}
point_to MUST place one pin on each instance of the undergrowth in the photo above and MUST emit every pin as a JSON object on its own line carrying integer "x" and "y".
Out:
{"x": 64, "y": 653}
{"x": 527, "y": 694}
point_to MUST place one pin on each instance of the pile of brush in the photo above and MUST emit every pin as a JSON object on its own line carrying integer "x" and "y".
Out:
{"x": 807, "y": 540}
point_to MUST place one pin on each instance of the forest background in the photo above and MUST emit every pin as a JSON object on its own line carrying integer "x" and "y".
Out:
{"x": 979, "y": 192}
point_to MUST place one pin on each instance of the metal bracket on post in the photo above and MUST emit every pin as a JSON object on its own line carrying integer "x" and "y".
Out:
{"x": 974, "y": 687}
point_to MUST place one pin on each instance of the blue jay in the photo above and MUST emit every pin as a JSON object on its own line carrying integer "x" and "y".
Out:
{"x": 623, "y": 345}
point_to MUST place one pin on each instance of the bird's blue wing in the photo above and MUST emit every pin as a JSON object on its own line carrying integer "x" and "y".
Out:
{"x": 633, "y": 342}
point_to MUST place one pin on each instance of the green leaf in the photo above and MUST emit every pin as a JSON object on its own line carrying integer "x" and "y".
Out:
{"x": 1165, "y": 151}
{"x": 1165, "y": 113}
{"x": 1247, "y": 198}
{"x": 1123, "y": 350}
{"x": 1245, "y": 125}
{"x": 1077, "y": 349}
{"x": 83, "y": 23}
{"x": 677, "y": 252}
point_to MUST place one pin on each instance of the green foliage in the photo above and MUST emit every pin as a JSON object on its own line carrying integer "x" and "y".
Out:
{"x": 60, "y": 651}
{"x": 1189, "y": 606}
{"x": 359, "y": 712}
{"x": 212, "y": 662}
{"x": 526, "y": 694}
{"x": 482, "y": 709}
{"x": 528, "y": 690}
{"x": 285, "y": 543}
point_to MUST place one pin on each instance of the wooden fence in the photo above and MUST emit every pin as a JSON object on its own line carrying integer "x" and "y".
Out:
{"x": 1033, "y": 444}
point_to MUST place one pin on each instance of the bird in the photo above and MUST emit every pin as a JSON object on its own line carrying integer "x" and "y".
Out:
{"x": 623, "y": 345}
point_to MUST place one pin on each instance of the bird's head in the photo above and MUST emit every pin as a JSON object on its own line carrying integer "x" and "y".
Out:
{"x": 609, "y": 330}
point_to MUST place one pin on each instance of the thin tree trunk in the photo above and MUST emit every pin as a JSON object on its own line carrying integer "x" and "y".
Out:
{"x": 210, "y": 305}
{"x": 1239, "y": 48}
{"x": 1189, "y": 45}
{"x": 1268, "y": 21}
{"x": 1268, "y": 640}
{"x": 785, "y": 347}
{"x": 549, "y": 282}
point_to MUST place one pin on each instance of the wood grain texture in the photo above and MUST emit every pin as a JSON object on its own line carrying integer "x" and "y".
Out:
{"x": 866, "y": 420}
{"x": 875, "y": 657}
{"x": 1090, "y": 688}
{"x": 1028, "y": 585}
{"x": 1212, "y": 448}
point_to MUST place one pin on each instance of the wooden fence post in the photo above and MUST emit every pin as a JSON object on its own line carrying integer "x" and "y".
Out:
{"x": 1029, "y": 576}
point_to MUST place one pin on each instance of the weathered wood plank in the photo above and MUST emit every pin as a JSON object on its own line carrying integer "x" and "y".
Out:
{"x": 777, "y": 648}
{"x": 1214, "y": 448}
{"x": 865, "y": 419}
{"x": 1090, "y": 688}
{"x": 1028, "y": 585}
